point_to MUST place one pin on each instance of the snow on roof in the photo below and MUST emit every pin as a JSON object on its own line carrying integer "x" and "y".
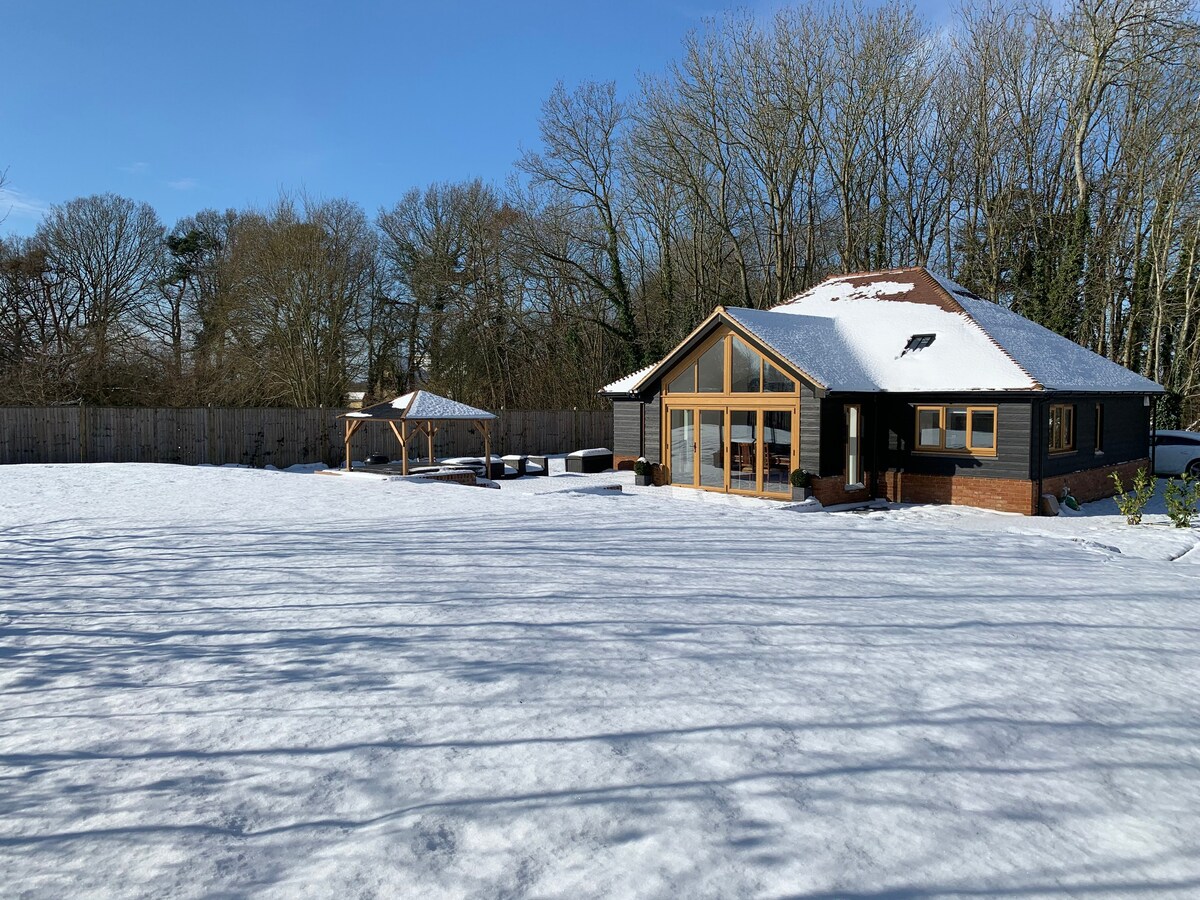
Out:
{"x": 421, "y": 405}
{"x": 857, "y": 344}
{"x": 977, "y": 345}
{"x": 628, "y": 383}
{"x": 1056, "y": 362}
{"x": 851, "y": 333}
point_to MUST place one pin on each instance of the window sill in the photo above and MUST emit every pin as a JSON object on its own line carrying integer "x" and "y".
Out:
{"x": 970, "y": 454}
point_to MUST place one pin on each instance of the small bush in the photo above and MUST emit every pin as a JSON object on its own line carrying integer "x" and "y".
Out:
{"x": 641, "y": 467}
{"x": 1183, "y": 500}
{"x": 801, "y": 478}
{"x": 1132, "y": 503}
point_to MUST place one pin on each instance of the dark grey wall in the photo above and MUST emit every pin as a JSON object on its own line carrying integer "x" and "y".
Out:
{"x": 832, "y": 423}
{"x": 833, "y": 432}
{"x": 810, "y": 429}
{"x": 653, "y": 429}
{"x": 627, "y": 427}
{"x": 1013, "y": 420}
{"x": 1126, "y": 432}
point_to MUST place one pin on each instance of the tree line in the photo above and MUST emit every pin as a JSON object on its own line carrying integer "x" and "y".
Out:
{"x": 1046, "y": 157}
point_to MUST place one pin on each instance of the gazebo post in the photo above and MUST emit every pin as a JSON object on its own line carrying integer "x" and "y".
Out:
{"x": 400, "y": 438}
{"x": 487, "y": 449}
{"x": 404, "y": 447}
{"x": 429, "y": 430}
{"x": 351, "y": 427}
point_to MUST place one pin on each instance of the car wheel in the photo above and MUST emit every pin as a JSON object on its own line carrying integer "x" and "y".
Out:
{"x": 1193, "y": 468}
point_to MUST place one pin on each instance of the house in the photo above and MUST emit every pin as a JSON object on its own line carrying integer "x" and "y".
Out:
{"x": 898, "y": 384}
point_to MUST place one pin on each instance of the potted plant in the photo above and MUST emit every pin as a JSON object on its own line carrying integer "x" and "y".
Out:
{"x": 641, "y": 472}
{"x": 801, "y": 484}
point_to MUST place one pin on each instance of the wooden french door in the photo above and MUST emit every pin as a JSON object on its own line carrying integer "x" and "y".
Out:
{"x": 737, "y": 450}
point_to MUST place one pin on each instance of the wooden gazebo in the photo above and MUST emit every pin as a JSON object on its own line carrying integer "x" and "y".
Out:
{"x": 418, "y": 413}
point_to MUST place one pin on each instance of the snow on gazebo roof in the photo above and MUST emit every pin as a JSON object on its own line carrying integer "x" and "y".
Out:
{"x": 423, "y": 406}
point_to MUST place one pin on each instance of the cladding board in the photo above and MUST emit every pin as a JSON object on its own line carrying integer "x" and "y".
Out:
{"x": 1013, "y": 420}
{"x": 653, "y": 429}
{"x": 627, "y": 427}
{"x": 1126, "y": 432}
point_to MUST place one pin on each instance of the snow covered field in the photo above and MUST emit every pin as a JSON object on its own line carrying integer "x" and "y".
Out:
{"x": 229, "y": 682}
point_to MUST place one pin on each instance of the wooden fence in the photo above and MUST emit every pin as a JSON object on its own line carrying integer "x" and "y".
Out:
{"x": 260, "y": 437}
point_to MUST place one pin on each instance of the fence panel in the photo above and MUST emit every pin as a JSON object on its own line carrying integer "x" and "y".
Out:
{"x": 263, "y": 436}
{"x": 36, "y": 435}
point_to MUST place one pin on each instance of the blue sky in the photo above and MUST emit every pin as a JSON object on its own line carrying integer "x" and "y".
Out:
{"x": 223, "y": 104}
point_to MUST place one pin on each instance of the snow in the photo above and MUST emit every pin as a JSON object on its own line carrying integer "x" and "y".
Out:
{"x": 471, "y": 460}
{"x": 857, "y": 344}
{"x": 424, "y": 405}
{"x": 1057, "y": 363}
{"x": 849, "y": 333}
{"x": 591, "y": 451}
{"x": 627, "y": 384}
{"x": 229, "y": 681}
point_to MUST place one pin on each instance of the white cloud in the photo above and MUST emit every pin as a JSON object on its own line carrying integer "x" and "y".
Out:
{"x": 20, "y": 205}
{"x": 182, "y": 184}
{"x": 137, "y": 168}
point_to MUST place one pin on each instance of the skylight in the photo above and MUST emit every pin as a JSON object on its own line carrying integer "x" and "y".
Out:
{"x": 919, "y": 342}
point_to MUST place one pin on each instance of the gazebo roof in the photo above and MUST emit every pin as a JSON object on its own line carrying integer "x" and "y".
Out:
{"x": 421, "y": 406}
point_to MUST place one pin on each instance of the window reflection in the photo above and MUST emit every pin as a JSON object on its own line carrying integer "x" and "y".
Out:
{"x": 743, "y": 450}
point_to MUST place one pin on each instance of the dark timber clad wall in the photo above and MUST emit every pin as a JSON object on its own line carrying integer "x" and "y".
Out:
{"x": 653, "y": 429}
{"x": 832, "y": 418}
{"x": 1012, "y": 459}
{"x": 810, "y": 429}
{"x": 627, "y": 427}
{"x": 1126, "y": 432}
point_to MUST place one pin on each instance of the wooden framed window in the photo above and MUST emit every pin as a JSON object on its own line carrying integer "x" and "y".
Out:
{"x": 684, "y": 383}
{"x": 728, "y": 365}
{"x": 853, "y": 445}
{"x": 929, "y": 428}
{"x": 775, "y": 381}
{"x": 710, "y": 370}
{"x": 956, "y": 429}
{"x": 745, "y": 368}
{"x": 1099, "y": 427}
{"x": 1062, "y": 428}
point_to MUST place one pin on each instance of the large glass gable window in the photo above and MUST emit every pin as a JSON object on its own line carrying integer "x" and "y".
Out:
{"x": 710, "y": 370}
{"x": 747, "y": 369}
{"x": 775, "y": 381}
{"x": 684, "y": 382}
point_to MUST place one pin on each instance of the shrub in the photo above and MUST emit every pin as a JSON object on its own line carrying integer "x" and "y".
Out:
{"x": 641, "y": 467}
{"x": 1132, "y": 503}
{"x": 1183, "y": 500}
{"x": 801, "y": 478}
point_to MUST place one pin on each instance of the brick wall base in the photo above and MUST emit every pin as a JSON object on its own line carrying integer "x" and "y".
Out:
{"x": 624, "y": 463}
{"x": 832, "y": 491}
{"x": 1087, "y": 485}
{"x": 1003, "y": 494}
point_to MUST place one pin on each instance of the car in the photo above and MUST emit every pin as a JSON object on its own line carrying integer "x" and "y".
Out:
{"x": 1177, "y": 453}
